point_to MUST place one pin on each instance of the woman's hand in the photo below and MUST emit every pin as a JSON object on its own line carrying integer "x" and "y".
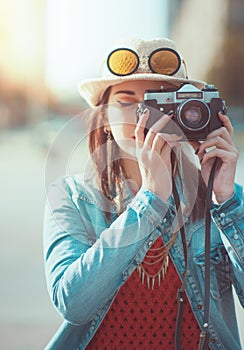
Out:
{"x": 223, "y": 148}
{"x": 154, "y": 155}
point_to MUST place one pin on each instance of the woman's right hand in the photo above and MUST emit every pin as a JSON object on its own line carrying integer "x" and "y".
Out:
{"x": 154, "y": 155}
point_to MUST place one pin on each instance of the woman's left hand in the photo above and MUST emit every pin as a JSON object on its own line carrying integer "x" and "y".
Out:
{"x": 222, "y": 147}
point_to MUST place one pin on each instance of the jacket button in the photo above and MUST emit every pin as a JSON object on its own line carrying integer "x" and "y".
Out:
{"x": 222, "y": 215}
{"x": 125, "y": 275}
{"x": 199, "y": 306}
{"x": 149, "y": 244}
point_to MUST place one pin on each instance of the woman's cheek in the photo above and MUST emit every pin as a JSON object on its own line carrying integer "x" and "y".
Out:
{"x": 117, "y": 114}
{"x": 122, "y": 130}
{"x": 124, "y": 137}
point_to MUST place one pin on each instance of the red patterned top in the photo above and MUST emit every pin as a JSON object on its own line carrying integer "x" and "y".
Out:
{"x": 142, "y": 318}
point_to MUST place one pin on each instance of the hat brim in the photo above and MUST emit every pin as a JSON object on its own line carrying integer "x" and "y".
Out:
{"x": 92, "y": 89}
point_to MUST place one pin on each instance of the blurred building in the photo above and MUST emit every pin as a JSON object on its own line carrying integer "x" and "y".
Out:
{"x": 210, "y": 34}
{"x": 199, "y": 28}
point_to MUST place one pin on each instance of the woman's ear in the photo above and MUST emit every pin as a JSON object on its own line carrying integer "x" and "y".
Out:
{"x": 107, "y": 129}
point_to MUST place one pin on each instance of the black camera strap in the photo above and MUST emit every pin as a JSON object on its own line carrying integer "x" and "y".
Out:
{"x": 181, "y": 294}
{"x": 181, "y": 291}
{"x": 204, "y": 336}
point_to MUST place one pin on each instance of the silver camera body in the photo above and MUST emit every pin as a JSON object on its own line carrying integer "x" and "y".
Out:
{"x": 195, "y": 111}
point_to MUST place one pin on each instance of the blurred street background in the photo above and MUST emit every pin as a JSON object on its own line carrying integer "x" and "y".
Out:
{"x": 47, "y": 47}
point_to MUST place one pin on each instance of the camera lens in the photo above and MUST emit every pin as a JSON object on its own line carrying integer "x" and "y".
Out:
{"x": 193, "y": 115}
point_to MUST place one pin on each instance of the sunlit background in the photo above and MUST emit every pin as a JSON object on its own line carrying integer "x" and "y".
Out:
{"x": 47, "y": 47}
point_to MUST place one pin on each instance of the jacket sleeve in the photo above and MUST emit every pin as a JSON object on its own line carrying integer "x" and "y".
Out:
{"x": 229, "y": 218}
{"x": 81, "y": 276}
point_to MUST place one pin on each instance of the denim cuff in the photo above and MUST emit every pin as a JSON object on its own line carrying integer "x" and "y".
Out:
{"x": 150, "y": 205}
{"x": 229, "y": 218}
{"x": 232, "y": 203}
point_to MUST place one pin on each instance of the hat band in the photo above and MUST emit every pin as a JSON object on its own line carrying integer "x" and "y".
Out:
{"x": 124, "y": 61}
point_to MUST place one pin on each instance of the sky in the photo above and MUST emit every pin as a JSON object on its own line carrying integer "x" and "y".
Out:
{"x": 80, "y": 32}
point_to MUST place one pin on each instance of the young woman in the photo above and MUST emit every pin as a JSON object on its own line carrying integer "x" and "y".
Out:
{"x": 114, "y": 257}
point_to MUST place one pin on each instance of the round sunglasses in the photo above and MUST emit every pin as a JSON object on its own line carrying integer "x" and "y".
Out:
{"x": 124, "y": 61}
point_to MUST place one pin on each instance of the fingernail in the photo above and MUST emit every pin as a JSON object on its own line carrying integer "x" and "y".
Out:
{"x": 197, "y": 150}
{"x": 145, "y": 111}
{"x": 170, "y": 113}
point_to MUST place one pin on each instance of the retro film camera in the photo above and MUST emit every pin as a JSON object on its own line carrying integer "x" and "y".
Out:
{"x": 195, "y": 111}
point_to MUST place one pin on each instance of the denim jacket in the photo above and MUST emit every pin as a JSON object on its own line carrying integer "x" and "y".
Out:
{"x": 88, "y": 257}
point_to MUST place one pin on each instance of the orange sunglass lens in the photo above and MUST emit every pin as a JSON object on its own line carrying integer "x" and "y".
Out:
{"x": 164, "y": 62}
{"x": 123, "y": 62}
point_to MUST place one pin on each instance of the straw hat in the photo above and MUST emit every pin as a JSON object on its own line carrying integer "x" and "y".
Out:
{"x": 92, "y": 89}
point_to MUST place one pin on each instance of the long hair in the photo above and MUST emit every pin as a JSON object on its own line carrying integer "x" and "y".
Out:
{"x": 111, "y": 176}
